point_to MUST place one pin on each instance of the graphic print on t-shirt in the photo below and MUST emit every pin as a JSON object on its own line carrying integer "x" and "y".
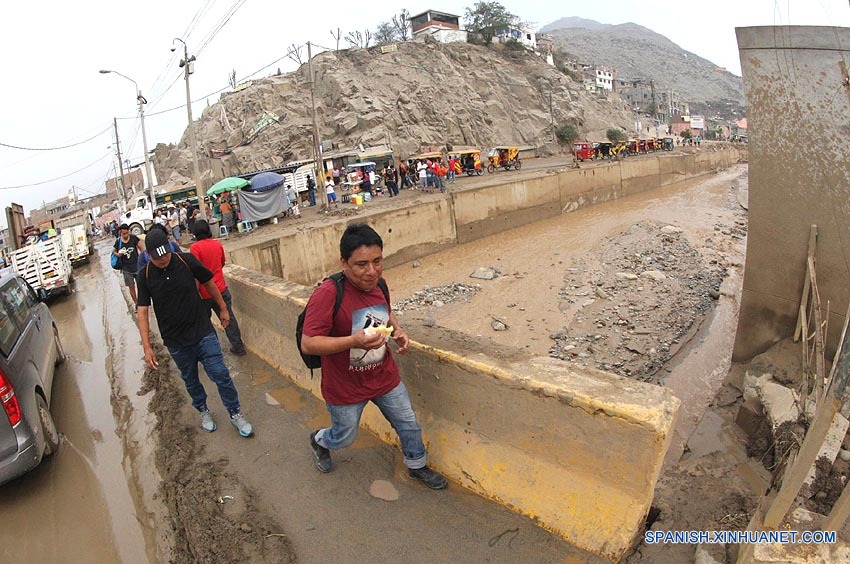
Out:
{"x": 372, "y": 316}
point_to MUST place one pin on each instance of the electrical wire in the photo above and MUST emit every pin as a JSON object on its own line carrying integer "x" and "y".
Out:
{"x": 110, "y": 155}
{"x": 95, "y": 136}
{"x": 221, "y": 23}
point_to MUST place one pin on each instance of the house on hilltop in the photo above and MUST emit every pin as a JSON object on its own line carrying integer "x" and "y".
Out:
{"x": 442, "y": 26}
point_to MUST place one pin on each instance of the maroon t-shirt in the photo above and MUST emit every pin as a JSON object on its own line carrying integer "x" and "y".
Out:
{"x": 353, "y": 375}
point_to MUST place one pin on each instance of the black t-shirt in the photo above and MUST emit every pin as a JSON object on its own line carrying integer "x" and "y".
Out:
{"x": 182, "y": 317}
{"x": 129, "y": 260}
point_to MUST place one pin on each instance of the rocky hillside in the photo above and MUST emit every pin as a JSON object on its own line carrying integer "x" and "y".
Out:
{"x": 637, "y": 52}
{"x": 423, "y": 94}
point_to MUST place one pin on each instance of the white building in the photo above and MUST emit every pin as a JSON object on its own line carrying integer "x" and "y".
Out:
{"x": 441, "y": 26}
{"x": 525, "y": 36}
{"x": 604, "y": 78}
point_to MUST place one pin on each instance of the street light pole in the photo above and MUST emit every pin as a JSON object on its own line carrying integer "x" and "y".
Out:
{"x": 185, "y": 63}
{"x": 142, "y": 101}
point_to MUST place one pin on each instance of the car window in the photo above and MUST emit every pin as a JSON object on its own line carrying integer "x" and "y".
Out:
{"x": 32, "y": 298}
{"x": 16, "y": 302}
{"x": 9, "y": 331}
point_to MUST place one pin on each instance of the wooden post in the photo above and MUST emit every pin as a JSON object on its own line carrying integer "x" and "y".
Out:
{"x": 819, "y": 360}
{"x": 804, "y": 300}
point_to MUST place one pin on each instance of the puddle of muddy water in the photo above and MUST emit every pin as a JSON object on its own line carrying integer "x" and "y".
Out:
{"x": 123, "y": 459}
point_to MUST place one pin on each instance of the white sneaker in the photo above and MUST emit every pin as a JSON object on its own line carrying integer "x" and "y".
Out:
{"x": 207, "y": 423}
{"x": 245, "y": 429}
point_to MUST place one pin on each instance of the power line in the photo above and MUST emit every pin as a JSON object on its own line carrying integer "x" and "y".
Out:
{"x": 205, "y": 96}
{"x": 58, "y": 177}
{"x": 55, "y": 148}
{"x": 221, "y": 23}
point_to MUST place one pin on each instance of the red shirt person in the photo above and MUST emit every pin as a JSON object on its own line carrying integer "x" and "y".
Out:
{"x": 211, "y": 254}
{"x": 357, "y": 365}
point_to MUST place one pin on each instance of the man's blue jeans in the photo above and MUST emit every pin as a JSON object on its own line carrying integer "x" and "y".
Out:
{"x": 207, "y": 352}
{"x": 395, "y": 405}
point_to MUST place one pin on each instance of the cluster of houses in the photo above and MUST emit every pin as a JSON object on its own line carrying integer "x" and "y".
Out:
{"x": 663, "y": 106}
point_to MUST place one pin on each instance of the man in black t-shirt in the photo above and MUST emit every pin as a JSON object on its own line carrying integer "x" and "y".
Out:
{"x": 127, "y": 248}
{"x": 169, "y": 281}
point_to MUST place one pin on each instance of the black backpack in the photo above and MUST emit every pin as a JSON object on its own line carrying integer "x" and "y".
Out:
{"x": 313, "y": 361}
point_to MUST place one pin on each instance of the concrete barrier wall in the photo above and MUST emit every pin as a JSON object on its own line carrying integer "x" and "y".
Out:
{"x": 798, "y": 177}
{"x": 411, "y": 232}
{"x": 579, "y": 451}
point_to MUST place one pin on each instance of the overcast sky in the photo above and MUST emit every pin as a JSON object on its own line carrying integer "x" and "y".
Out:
{"x": 53, "y": 94}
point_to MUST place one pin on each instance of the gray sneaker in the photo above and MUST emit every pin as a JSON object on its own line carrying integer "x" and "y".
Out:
{"x": 207, "y": 423}
{"x": 245, "y": 429}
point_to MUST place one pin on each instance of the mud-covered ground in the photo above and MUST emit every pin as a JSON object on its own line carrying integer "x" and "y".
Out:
{"x": 208, "y": 527}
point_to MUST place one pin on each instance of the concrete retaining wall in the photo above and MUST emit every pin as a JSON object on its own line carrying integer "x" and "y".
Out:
{"x": 308, "y": 256}
{"x": 798, "y": 176}
{"x": 579, "y": 451}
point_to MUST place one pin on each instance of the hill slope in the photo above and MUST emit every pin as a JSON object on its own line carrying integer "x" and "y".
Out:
{"x": 422, "y": 94}
{"x": 637, "y": 52}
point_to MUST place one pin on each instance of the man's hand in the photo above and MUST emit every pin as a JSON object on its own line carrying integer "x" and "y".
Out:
{"x": 362, "y": 340}
{"x": 402, "y": 340}
{"x": 224, "y": 318}
{"x": 150, "y": 358}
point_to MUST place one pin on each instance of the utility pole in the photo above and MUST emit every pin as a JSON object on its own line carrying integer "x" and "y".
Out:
{"x": 186, "y": 64}
{"x": 121, "y": 192}
{"x": 142, "y": 102}
{"x": 317, "y": 151}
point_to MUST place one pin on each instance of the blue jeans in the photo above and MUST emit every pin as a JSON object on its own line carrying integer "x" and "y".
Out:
{"x": 175, "y": 232}
{"x": 395, "y": 405}
{"x": 234, "y": 335}
{"x": 311, "y": 195}
{"x": 208, "y": 352}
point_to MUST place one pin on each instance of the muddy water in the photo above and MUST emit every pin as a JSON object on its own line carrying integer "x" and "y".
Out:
{"x": 87, "y": 500}
{"x": 533, "y": 261}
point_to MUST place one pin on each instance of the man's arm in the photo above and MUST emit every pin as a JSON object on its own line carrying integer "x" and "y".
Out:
{"x": 223, "y": 314}
{"x": 144, "y": 331}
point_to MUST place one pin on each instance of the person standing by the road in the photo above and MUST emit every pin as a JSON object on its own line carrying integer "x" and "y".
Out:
{"x": 211, "y": 254}
{"x": 311, "y": 190}
{"x": 170, "y": 282}
{"x": 329, "y": 190}
{"x": 174, "y": 222}
{"x": 357, "y": 365}
{"x": 292, "y": 196}
{"x": 126, "y": 248}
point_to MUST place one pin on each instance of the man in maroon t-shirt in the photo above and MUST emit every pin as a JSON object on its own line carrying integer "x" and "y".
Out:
{"x": 357, "y": 365}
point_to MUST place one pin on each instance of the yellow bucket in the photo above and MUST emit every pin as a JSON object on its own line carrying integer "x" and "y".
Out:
{"x": 357, "y": 200}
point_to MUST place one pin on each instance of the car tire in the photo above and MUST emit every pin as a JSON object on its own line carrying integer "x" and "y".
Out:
{"x": 490, "y": 168}
{"x": 60, "y": 350}
{"x": 48, "y": 427}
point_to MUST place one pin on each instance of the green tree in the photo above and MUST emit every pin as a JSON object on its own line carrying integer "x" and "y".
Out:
{"x": 686, "y": 135}
{"x": 486, "y": 18}
{"x": 566, "y": 134}
{"x": 385, "y": 33}
{"x": 616, "y": 135}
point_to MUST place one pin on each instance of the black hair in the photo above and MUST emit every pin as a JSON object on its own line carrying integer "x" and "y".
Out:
{"x": 358, "y": 235}
{"x": 159, "y": 226}
{"x": 123, "y": 226}
{"x": 201, "y": 229}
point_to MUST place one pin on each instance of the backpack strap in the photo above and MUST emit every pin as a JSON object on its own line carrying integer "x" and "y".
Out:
{"x": 148, "y": 266}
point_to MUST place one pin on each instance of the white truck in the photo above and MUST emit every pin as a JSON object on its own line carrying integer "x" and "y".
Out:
{"x": 45, "y": 266}
{"x": 75, "y": 239}
{"x": 140, "y": 217}
{"x": 76, "y": 228}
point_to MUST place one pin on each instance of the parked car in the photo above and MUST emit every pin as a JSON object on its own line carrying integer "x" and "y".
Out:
{"x": 30, "y": 349}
